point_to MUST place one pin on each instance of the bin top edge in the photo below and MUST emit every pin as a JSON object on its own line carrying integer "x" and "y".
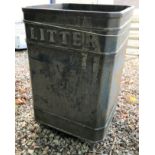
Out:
{"x": 57, "y": 8}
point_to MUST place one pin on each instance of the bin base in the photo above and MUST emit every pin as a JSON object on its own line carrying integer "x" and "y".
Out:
{"x": 90, "y": 135}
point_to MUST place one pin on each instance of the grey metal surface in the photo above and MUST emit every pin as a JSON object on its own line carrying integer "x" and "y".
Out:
{"x": 76, "y": 55}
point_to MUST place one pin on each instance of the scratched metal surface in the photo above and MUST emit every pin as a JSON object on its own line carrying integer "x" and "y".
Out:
{"x": 76, "y": 72}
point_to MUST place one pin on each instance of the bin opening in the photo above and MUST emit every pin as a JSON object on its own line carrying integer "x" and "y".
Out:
{"x": 84, "y": 7}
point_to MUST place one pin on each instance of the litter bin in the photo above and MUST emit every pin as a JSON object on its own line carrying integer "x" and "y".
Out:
{"x": 76, "y": 54}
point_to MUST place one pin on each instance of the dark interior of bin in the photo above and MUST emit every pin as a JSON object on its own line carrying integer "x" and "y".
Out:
{"x": 84, "y": 7}
{"x": 104, "y": 8}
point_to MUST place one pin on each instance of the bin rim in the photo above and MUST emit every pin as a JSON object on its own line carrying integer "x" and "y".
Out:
{"x": 43, "y": 7}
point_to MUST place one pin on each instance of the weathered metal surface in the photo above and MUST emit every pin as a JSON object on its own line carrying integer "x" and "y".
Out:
{"x": 76, "y": 55}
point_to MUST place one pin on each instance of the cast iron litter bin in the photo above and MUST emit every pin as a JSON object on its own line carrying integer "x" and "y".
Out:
{"x": 76, "y": 54}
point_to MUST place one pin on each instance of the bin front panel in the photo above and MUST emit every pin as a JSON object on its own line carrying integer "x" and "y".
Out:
{"x": 62, "y": 86}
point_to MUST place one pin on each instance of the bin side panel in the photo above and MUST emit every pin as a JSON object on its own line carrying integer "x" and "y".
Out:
{"x": 116, "y": 78}
{"x": 111, "y": 76}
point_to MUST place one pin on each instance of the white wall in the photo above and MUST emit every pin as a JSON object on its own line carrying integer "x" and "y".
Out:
{"x": 75, "y": 1}
{"x": 105, "y": 1}
{"x": 24, "y": 3}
